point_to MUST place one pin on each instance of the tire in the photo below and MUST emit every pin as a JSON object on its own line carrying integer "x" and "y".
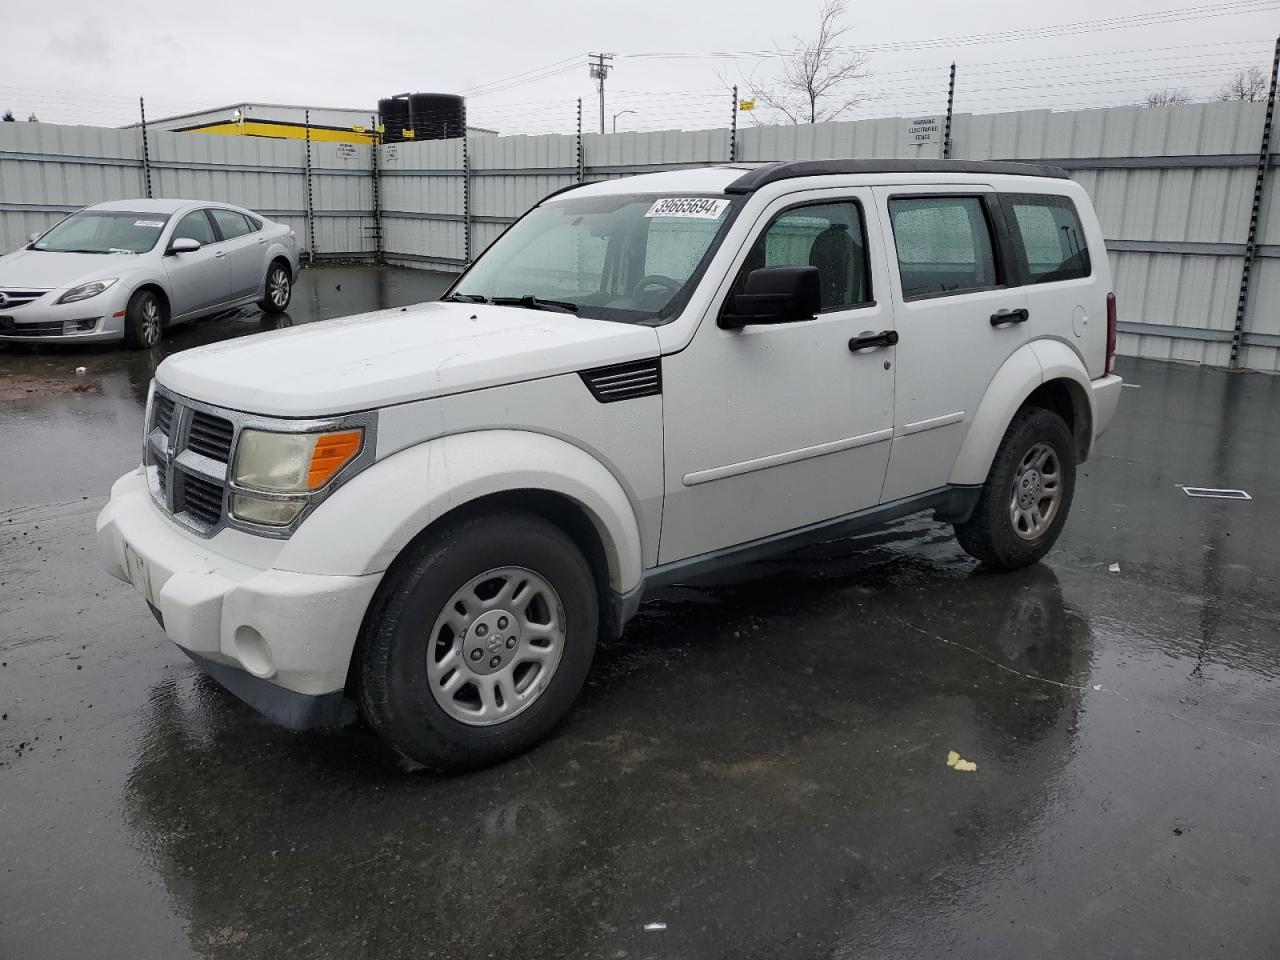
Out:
{"x": 278, "y": 288}
{"x": 1017, "y": 521}
{"x": 143, "y": 320}
{"x": 414, "y": 640}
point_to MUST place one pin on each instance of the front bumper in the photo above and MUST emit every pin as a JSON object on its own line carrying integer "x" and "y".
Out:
{"x": 281, "y": 641}
{"x": 46, "y": 321}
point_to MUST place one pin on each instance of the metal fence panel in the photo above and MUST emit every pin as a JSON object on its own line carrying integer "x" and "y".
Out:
{"x": 1173, "y": 189}
{"x": 48, "y": 171}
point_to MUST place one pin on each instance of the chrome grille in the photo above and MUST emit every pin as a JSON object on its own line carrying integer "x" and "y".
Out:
{"x": 201, "y": 499}
{"x": 187, "y": 452}
{"x": 211, "y": 436}
{"x": 10, "y": 298}
{"x": 162, "y": 413}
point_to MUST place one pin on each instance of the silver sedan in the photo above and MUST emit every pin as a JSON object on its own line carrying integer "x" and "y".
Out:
{"x": 126, "y": 269}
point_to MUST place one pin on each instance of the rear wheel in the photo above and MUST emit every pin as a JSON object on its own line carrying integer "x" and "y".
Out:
{"x": 279, "y": 289}
{"x": 1024, "y": 503}
{"x": 143, "y": 320}
{"x": 479, "y": 641}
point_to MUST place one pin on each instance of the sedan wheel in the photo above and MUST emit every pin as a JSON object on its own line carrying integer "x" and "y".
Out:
{"x": 279, "y": 289}
{"x": 143, "y": 320}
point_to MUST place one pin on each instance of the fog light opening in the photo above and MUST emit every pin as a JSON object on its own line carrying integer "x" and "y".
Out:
{"x": 253, "y": 653}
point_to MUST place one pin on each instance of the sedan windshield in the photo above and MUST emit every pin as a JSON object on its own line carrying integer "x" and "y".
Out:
{"x": 631, "y": 257}
{"x": 104, "y": 231}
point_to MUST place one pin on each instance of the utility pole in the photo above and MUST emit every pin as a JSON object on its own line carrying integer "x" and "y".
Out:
{"x": 600, "y": 67}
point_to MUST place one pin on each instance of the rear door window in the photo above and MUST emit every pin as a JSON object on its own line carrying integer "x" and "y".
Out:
{"x": 944, "y": 245}
{"x": 1048, "y": 240}
{"x": 230, "y": 223}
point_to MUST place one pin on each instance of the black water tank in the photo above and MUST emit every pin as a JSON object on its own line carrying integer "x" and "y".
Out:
{"x": 437, "y": 116}
{"x": 394, "y": 113}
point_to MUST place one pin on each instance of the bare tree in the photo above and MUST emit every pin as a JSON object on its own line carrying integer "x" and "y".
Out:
{"x": 1250, "y": 85}
{"x": 818, "y": 75}
{"x": 1169, "y": 97}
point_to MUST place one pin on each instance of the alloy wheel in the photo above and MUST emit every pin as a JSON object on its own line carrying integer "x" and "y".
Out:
{"x": 495, "y": 646}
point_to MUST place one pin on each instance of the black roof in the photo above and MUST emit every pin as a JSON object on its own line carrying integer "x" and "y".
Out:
{"x": 790, "y": 169}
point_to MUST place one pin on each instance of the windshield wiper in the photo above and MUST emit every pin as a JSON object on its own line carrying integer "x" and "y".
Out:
{"x": 465, "y": 298}
{"x": 530, "y": 302}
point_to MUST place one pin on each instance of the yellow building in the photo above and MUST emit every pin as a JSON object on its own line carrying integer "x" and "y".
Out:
{"x": 281, "y": 121}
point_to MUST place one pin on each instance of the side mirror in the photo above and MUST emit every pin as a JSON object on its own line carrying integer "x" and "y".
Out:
{"x": 34, "y": 237}
{"x": 774, "y": 295}
{"x": 184, "y": 245}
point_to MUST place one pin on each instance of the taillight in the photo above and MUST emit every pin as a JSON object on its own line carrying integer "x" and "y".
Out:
{"x": 1111, "y": 334}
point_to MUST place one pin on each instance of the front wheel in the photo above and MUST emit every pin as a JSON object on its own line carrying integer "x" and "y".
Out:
{"x": 479, "y": 641}
{"x": 279, "y": 289}
{"x": 143, "y": 320}
{"x": 1024, "y": 503}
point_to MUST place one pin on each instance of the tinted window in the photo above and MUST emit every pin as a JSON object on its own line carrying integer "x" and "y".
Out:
{"x": 194, "y": 226}
{"x": 828, "y": 236}
{"x": 944, "y": 245}
{"x": 1047, "y": 238}
{"x": 230, "y": 223}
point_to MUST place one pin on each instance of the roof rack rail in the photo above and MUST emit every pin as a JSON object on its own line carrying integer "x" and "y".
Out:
{"x": 791, "y": 169}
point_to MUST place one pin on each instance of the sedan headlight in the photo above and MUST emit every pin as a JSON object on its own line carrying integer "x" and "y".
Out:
{"x": 293, "y": 462}
{"x": 86, "y": 290}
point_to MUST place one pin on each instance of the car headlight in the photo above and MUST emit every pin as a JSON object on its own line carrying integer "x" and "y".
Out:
{"x": 86, "y": 290}
{"x": 293, "y": 462}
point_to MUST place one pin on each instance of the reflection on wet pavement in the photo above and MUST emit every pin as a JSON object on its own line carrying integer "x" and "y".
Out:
{"x": 759, "y": 763}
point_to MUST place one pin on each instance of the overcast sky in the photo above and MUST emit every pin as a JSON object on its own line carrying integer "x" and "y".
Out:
{"x": 90, "y": 62}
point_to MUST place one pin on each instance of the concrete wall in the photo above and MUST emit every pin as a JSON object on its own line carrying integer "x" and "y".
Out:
{"x": 1172, "y": 186}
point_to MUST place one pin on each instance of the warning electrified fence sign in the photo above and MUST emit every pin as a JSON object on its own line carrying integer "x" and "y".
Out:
{"x": 924, "y": 130}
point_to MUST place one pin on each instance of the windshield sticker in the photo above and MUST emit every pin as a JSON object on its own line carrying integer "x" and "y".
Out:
{"x": 158, "y": 224}
{"x": 704, "y": 208}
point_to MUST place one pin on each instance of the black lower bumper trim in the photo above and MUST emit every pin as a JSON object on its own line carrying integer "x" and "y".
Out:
{"x": 297, "y": 711}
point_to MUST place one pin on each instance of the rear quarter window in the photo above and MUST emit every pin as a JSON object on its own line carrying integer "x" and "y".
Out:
{"x": 1048, "y": 240}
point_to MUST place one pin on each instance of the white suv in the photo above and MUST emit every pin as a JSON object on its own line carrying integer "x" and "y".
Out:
{"x": 434, "y": 511}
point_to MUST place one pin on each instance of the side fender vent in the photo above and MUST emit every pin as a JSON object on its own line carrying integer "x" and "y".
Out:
{"x": 624, "y": 381}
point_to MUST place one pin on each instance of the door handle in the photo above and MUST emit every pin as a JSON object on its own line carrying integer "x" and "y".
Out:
{"x": 867, "y": 340}
{"x": 220, "y": 255}
{"x": 262, "y": 240}
{"x": 1002, "y": 318}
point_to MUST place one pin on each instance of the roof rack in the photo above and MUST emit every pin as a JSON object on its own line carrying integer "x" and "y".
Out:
{"x": 791, "y": 169}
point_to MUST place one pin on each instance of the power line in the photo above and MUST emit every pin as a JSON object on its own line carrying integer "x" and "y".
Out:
{"x": 1234, "y": 8}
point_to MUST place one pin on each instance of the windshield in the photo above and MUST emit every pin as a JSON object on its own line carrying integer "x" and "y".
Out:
{"x": 104, "y": 231}
{"x": 632, "y": 257}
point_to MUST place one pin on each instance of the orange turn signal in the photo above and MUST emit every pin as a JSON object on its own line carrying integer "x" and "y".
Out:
{"x": 333, "y": 452}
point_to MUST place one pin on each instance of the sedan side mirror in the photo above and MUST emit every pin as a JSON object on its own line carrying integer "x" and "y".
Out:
{"x": 34, "y": 237}
{"x": 774, "y": 295}
{"x": 184, "y": 245}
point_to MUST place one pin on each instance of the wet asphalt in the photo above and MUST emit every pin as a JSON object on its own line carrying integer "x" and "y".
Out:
{"x": 759, "y": 764}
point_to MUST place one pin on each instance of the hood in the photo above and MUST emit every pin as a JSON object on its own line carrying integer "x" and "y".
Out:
{"x": 394, "y": 356}
{"x": 47, "y": 270}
